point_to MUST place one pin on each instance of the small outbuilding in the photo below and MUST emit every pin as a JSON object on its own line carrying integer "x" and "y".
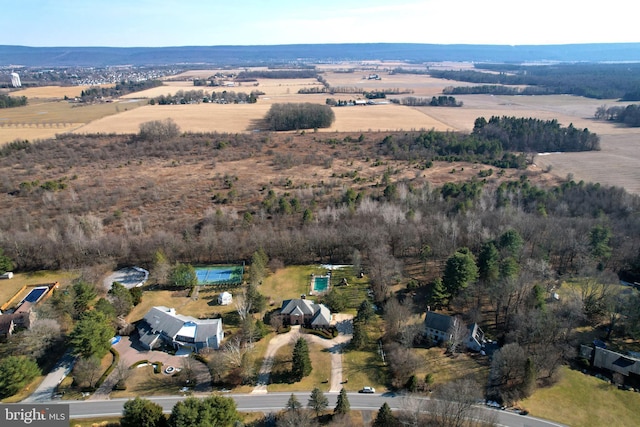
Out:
{"x": 225, "y": 298}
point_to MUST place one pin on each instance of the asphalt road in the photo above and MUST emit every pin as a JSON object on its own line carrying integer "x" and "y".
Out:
{"x": 273, "y": 402}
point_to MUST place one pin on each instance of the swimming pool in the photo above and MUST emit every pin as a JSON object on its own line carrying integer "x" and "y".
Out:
{"x": 35, "y": 294}
{"x": 320, "y": 283}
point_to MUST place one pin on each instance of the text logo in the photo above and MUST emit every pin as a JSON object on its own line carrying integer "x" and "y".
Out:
{"x": 54, "y": 415}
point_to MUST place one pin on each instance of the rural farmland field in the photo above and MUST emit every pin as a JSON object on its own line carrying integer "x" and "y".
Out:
{"x": 46, "y": 115}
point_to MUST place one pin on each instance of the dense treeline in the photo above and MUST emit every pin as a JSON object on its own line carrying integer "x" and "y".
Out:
{"x": 83, "y": 238}
{"x": 294, "y": 116}
{"x": 94, "y": 93}
{"x": 590, "y": 80}
{"x": 278, "y": 74}
{"x": 7, "y": 101}
{"x": 497, "y": 90}
{"x": 535, "y": 135}
{"x": 629, "y": 115}
{"x": 493, "y": 142}
{"x": 198, "y": 96}
{"x": 440, "y": 101}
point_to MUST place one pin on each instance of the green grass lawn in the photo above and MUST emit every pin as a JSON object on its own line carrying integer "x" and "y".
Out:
{"x": 445, "y": 368}
{"x": 287, "y": 283}
{"x": 321, "y": 370}
{"x": 582, "y": 400}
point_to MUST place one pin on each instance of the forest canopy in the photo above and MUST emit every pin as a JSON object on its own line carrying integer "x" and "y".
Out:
{"x": 600, "y": 81}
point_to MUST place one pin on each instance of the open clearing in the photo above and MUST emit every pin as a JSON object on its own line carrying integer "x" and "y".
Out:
{"x": 619, "y": 144}
{"x": 582, "y": 400}
{"x": 48, "y": 92}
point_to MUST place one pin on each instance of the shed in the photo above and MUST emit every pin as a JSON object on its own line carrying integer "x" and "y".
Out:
{"x": 225, "y": 298}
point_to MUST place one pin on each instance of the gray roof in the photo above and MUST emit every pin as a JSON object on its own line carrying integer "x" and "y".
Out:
{"x": 303, "y": 305}
{"x": 439, "y": 322}
{"x": 321, "y": 315}
{"x": 616, "y": 362}
{"x": 163, "y": 319}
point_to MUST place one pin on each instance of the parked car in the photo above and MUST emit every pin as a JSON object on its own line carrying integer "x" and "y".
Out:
{"x": 368, "y": 390}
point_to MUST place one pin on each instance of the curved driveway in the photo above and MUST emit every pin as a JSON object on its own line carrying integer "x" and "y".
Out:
{"x": 334, "y": 345}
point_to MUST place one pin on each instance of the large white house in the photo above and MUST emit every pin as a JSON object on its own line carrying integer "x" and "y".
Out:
{"x": 164, "y": 324}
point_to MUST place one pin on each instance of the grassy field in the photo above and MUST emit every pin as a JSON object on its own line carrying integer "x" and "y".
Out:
{"x": 583, "y": 400}
{"x": 205, "y": 306}
{"x": 321, "y": 370}
{"x": 50, "y": 92}
{"x": 45, "y": 119}
{"x": 286, "y": 283}
{"x": 446, "y": 368}
{"x": 8, "y": 288}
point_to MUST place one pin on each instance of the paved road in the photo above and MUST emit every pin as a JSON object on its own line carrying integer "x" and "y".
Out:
{"x": 273, "y": 402}
{"x": 45, "y": 390}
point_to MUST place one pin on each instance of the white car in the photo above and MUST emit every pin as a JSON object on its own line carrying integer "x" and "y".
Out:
{"x": 368, "y": 390}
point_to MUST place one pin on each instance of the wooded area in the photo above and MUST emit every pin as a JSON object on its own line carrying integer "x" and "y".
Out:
{"x": 592, "y": 80}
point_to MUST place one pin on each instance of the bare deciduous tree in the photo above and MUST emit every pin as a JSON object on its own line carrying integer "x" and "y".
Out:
{"x": 458, "y": 334}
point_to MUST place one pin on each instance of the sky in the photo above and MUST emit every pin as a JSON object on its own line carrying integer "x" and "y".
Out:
{"x": 153, "y": 23}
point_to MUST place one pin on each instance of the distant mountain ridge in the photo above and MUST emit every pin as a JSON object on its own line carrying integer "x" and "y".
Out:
{"x": 250, "y": 55}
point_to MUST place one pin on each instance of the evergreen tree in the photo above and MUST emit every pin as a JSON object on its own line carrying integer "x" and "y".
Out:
{"x": 439, "y": 297}
{"x": 488, "y": 259}
{"x": 183, "y": 276}
{"x": 318, "y": 401}
{"x": 210, "y": 411}
{"x": 412, "y": 384}
{"x": 342, "y": 406}
{"x": 365, "y": 311}
{"x": 359, "y": 339}
{"x": 385, "y": 417}
{"x": 5, "y": 263}
{"x": 142, "y": 413}
{"x": 258, "y": 270}
{"x": 293, "y": 404}
{"x": 301, "y": 362}
{"x": 15, "y": 373}
{"x": 459, "y": 271}
{"x": 92, "y": 335}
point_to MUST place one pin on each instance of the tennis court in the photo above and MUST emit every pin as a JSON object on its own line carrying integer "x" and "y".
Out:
{"x": 220, "y": 275}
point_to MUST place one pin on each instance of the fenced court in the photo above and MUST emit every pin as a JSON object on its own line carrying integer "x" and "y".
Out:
{"x": 220, "y": 275}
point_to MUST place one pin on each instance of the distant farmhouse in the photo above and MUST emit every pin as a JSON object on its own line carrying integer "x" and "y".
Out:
{"x": 162, "y": 324}
{"x": 438, "y": 327}
{"x": 305, "y": 312}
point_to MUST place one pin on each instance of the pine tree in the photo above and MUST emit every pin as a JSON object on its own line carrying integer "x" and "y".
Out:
{"x": 342, "y": 407}
{"x": 359, "y": 339}
{"x": 439, "y": 296}
{"x": 301, "y": 362}
{"x": 385, "y": 417}
{"x": 318, "y": 401}
{"x": 293, "y": 404}
{"x": 365, "y": 311}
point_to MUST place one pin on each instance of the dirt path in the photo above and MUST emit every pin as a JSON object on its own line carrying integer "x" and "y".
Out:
{"x": 335, "y": 346}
